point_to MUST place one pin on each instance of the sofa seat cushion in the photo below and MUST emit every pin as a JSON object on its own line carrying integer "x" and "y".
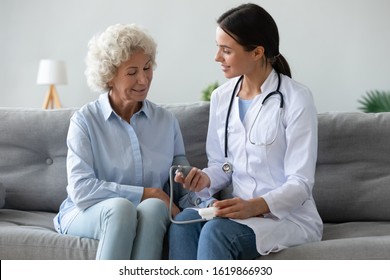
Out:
{"x": 31, "y": 235}
{"x": 355, "y": 248}
{"x": 344, "y": 241}
{"x": 355, "y": 229}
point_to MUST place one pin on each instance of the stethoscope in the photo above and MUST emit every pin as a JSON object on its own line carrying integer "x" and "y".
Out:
{"x": 209, "y": 213}
{"x": 227, "y": 167}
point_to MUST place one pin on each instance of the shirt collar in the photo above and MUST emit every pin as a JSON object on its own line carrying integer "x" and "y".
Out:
{"x": 271, "y": 83}
{"x": 105, "y": 105}
{"x": 108, "y": 111}
{"x": 146, "y": 109}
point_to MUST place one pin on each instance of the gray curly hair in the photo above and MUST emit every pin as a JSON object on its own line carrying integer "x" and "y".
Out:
{"x": 108, "y": 50}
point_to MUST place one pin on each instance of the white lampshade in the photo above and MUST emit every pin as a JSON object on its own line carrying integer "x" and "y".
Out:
{"x": 51, "y": 72}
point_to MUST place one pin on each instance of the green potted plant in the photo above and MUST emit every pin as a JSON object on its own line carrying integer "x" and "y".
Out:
{"x": 206, "y": 92}
{"x": 375, "y": 101}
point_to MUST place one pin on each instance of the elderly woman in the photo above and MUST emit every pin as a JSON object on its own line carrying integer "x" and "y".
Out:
{"x": 120, "y": 149}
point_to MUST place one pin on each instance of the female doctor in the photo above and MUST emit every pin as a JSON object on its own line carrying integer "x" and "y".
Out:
{"x": 262, "y": 140}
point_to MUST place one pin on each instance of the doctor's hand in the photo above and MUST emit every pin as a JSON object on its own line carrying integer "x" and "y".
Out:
{"x": 238, "y": 208}
{"x": 195, "y": 181}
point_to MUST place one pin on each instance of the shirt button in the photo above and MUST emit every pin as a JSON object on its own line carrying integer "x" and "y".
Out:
{"x": 49, "y": 161}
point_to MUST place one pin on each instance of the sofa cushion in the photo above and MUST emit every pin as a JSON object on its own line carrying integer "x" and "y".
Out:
{"x": 354, "y": 248}
{"x": 2, "y": 195}
{"x": 32, "y": 161}
{"x": 31, "y": 236}
{"x": 193, "y": 119}
{"x": 355, "y": 229}
{"x": 353, "y": 167}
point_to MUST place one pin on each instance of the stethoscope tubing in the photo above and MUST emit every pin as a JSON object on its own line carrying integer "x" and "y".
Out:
{"x": 227, "y": 166}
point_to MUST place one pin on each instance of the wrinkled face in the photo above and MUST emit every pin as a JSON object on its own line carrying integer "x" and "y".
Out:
{"x": 133, "y": 78}
{"x": 235, "y": 61}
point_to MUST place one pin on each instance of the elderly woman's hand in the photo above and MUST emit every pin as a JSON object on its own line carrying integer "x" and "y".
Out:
{"x": 160, "y": 194}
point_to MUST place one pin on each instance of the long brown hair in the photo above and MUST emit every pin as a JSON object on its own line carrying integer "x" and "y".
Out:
{"x": 251, "y": 26}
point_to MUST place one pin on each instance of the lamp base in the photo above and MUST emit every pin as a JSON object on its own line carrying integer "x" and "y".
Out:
{"x": 51, "y": 100}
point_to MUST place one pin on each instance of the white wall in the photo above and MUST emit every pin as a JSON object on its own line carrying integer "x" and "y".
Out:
{"x": 339, "y": 48}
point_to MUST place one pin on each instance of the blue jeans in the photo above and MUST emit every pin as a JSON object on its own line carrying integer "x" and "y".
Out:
{"x": 123, "y": 230}
{"x": 217, "y": 239}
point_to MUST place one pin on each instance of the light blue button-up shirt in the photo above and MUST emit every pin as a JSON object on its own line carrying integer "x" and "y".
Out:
{"x": 109, "y": 157}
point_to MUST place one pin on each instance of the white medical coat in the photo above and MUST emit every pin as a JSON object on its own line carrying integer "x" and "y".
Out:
{"x": 281, "y": 171}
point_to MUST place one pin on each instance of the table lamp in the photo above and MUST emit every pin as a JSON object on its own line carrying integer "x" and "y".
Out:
{"x": 51, "y": 72}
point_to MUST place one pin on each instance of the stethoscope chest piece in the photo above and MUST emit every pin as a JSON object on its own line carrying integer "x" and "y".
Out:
{"x": 227, "y": 167}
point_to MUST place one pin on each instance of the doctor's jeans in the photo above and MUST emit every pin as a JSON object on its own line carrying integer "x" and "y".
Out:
{"x": 123, "y": 230}
{"x": 217, "y": 239}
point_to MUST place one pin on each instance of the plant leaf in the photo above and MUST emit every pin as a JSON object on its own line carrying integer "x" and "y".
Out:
{"x": 375, "y": 101}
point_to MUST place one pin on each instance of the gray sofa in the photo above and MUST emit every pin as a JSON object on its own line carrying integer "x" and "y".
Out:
{"x": 352, "y": 186}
